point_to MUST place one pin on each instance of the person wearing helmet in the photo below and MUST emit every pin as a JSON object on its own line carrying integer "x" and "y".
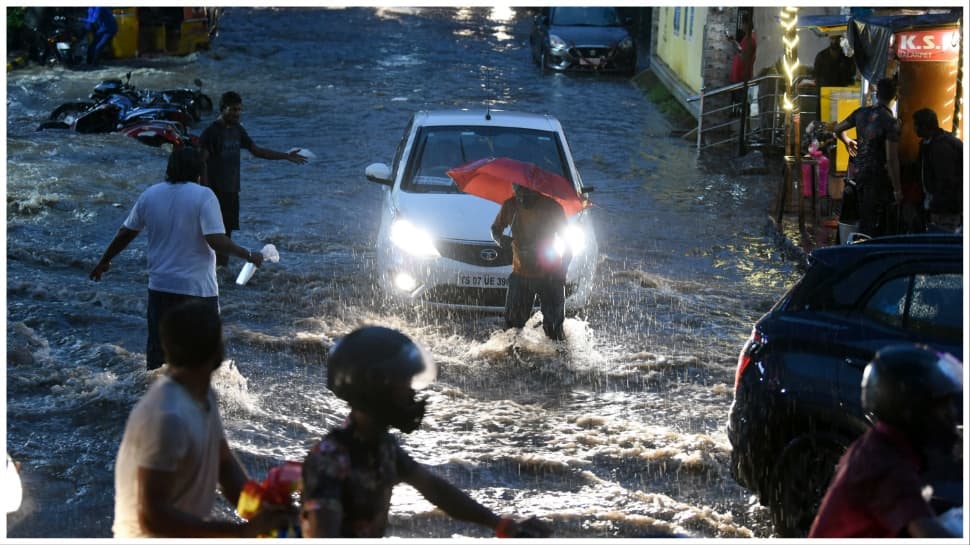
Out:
{"x": 914, "y": 395}
{"x": 348, "y": 476}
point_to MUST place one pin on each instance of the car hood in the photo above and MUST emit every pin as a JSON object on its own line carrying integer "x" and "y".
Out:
{"x": 601, "y": 36}
{"x": 454, "y": 216}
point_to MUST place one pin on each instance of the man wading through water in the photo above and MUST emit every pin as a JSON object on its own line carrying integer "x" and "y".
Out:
{"x": 538, "y": 266}
{"x": 221, "y": 142}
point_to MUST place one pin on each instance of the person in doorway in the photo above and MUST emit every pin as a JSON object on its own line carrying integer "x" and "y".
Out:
{"x": 184, "y": 229}
{"x": 101, "y": 22}
{"x": 348, "y": 476}
{"x": 941, "y": 172}
{"x": 915, "y": 396}
{"x": 876, "y": 152}
{"x": 832, "y": 68}
{"x": 174, "y": 451}
{"x": 539, "y": 264}
{"x": 742, "y": 64}
{"x": 221, "y": 142}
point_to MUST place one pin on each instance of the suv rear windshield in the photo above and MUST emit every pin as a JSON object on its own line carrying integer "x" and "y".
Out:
{"x": 439, "y": 149}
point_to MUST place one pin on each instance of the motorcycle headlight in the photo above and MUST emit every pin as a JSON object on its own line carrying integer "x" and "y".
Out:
{"x": 555, "y": 42}
{"x": 413, "y": 240}
{"x": 626, "y": 43}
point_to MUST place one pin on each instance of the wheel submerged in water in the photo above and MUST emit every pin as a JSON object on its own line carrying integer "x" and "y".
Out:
{"x": 800, "y": 478}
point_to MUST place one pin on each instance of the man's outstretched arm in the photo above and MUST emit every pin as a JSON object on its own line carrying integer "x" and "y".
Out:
{"x": 122, "y": 239}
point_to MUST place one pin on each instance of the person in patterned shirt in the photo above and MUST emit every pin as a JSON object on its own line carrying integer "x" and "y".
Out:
{"x": 876, "y": 152}
{"x": 349, "y": 475}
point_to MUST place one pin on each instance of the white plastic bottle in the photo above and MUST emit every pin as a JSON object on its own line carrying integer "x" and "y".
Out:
{"x": 270, "y": 254}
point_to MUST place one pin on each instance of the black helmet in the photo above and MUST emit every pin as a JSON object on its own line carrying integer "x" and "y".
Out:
{"x": 365, "y": 366}
{"x": 902, "y": 383}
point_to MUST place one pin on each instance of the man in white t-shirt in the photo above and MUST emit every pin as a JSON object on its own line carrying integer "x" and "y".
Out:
{"x": 174, "y": 451}
{"x": 185, "y": 230}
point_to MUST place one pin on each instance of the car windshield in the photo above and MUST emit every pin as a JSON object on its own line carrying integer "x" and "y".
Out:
{"x": 440, "y": 149}
{"x": 584, "y": 17}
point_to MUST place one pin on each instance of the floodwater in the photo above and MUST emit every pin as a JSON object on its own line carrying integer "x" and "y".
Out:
{"x": 619, "y": 435}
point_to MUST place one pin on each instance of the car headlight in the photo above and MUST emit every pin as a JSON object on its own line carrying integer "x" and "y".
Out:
{"x": 555, "y": 42}
{"x": 413, "y": 240}
{"x": 574, "y": 236}
{"x": 626, "y": 43}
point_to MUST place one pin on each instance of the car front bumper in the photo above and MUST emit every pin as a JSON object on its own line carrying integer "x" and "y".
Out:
{"x": 592, "y": 58}
{"x": 442, "y": 282}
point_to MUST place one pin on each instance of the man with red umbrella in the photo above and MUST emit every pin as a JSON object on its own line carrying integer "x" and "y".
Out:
{"x": 539, "y": 260}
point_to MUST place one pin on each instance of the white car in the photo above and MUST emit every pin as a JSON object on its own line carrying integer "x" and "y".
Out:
{"x": 435, "y": 245}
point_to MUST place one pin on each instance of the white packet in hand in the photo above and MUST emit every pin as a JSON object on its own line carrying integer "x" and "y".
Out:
{"x": 270, "y": 253}
{"x": 303, "y": 152}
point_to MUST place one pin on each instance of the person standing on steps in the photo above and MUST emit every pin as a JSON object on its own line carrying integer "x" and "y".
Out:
{"x": 876, "y": 152}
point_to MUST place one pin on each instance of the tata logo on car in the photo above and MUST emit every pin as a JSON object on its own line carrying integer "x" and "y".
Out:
{"x": 489, "y": 254}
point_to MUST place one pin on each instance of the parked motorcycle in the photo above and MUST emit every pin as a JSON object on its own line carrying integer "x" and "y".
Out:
{"x": 67, "y": 43}
{"x": 153, "y": 132}
{"x": 151, "y": 117}
{"x": 158, "y": 132}
{"x": 116, "y": 104}
{"x": 193, "y": 101}
{"x": 111, "y": 114}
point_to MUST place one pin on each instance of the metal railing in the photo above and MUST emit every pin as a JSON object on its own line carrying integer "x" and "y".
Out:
{"x": 756, "y": 127}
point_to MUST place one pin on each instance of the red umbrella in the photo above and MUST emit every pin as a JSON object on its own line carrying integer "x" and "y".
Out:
{"x": 492, "y": 178}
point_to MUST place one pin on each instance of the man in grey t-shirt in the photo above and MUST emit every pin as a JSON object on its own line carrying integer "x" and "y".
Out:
{"x": 221, "y": 142}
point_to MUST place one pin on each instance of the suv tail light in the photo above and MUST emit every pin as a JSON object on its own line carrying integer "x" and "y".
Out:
{"x": 750, "y": 347}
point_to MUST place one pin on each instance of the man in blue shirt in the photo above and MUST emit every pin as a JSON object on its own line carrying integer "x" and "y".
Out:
{"x": 102, "y": 23}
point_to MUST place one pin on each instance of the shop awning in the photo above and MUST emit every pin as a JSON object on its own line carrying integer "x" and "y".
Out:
{"x": 869, "y": 36}
{"x": 825, "y": 25}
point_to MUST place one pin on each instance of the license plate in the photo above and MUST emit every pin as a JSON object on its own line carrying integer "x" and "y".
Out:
{"x": 594, "y": 61}
{"x": 482, "y": 281}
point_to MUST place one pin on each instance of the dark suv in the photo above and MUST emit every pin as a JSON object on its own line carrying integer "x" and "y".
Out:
{"x": 798, "y": 383}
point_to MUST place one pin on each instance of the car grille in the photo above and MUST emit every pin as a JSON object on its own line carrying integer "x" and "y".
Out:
{"x": 597, "y": 58}
{"x": 471, "y": 253}
{"x": 592, "y": 52}
{"x": 449, "y": 294}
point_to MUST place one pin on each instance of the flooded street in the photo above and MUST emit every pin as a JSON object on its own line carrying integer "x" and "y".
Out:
{"x": 620, "y": 435}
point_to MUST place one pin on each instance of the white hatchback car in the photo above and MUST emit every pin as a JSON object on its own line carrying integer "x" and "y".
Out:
{"x": 435, "y": 245}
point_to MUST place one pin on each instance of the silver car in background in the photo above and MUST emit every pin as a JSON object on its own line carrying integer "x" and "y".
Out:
{"x": 434, "y": 246}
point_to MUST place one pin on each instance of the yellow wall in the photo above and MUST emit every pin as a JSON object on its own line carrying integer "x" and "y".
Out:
{"x": 683, "y": 48}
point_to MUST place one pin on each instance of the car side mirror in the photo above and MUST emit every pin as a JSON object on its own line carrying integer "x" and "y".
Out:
{"x": 588, "y": 189}
{"x": 379, "y": 173}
